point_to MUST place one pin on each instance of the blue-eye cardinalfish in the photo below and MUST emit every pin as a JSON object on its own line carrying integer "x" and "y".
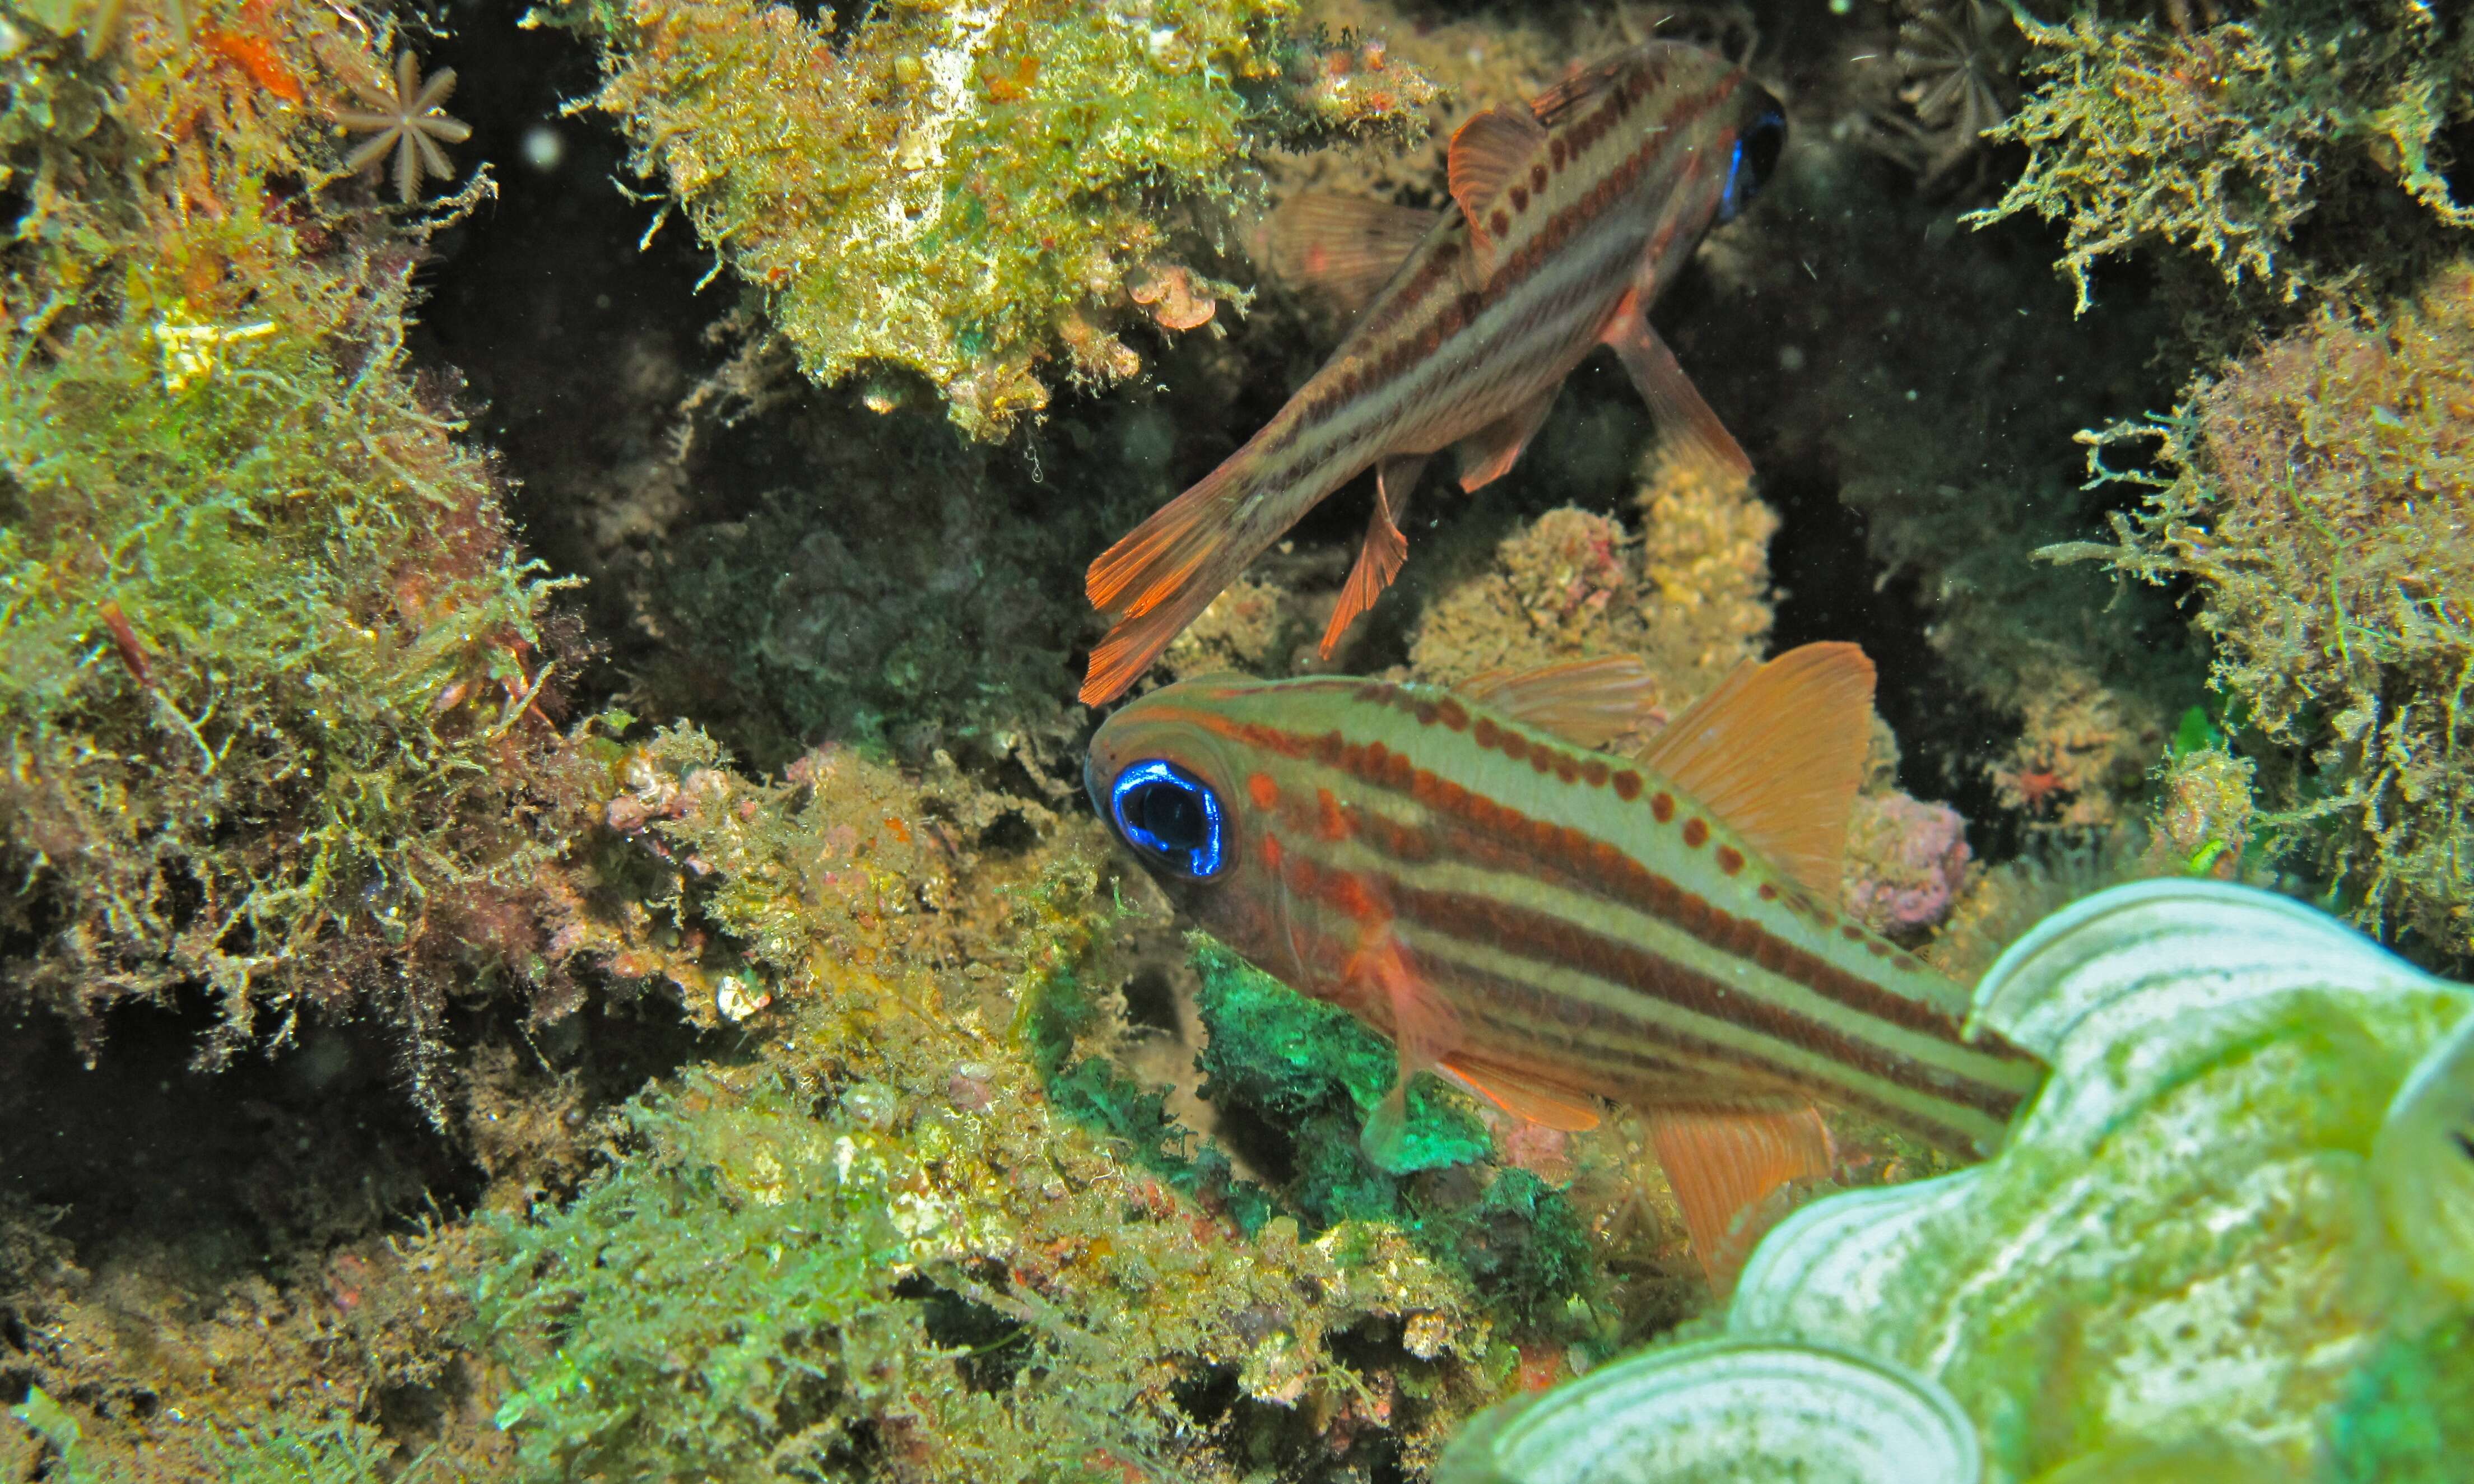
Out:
{"x": 1570, "y": 215}
{"x": 1545, "y": 924}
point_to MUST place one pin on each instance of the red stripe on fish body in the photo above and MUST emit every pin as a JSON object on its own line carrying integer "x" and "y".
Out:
{"x": 1588, "y": 926}
{"x": 1482, "y": 321}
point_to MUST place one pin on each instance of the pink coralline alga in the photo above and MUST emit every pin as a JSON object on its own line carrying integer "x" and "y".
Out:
{"x": 1905, "y": 861}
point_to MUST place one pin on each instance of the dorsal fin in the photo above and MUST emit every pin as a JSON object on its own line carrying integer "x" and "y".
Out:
{"x": 1487, "y": 153}
{"x": 1777, "y": 752}
{"x": 1344, "y": 247}
{"x": 1550, "y": 1107}
{"x": 1579, "y": 86}
{"x": 1590, "y": 702}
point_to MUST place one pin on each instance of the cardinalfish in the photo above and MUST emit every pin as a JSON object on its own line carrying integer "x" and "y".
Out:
{"x": 1546, "y": 925}
{"x": 1569, "y": 214}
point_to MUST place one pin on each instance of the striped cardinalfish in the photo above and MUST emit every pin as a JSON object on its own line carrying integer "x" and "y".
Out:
{"x": 1569, "y": 214}
{"x": 1545, "y": 925}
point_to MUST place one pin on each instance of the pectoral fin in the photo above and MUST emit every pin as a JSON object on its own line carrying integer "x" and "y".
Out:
{"x": 1379, "y": 559}
{"x": 1689, "y": 431}
{"x": 1727, "y": 1167}
{"x": 1552, "y": 1107}
{"x": 1490, "y": 452}
{"x": 1344, "y": 247}
{"x": 1424, "y": 1026}
{"x": 1487, "y": 153}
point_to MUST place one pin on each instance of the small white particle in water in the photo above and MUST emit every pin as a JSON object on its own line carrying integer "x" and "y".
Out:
{"x": 1911, "y": 393}
{"x": 543, "y": 148}
{"x": 1790, "y": 357}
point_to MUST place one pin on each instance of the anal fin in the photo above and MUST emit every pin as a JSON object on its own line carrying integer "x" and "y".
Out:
{"x": 1689, "y": 430}
{"x": 1386, "y": 548}
{"x": 1725, "y": 1166}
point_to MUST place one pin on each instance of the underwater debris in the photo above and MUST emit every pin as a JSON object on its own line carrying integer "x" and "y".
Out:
{"x": 2223, "y": 140}
{"x": 276, "y": 688}
{"x": 411, "y": 121}
{"x": 2318, "y": 495}
{"x": 965, "y": 191}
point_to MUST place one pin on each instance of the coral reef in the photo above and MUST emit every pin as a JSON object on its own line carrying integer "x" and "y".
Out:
{"x": 2225, "y": 139}
{"x": 966, "y": 191}
{"x": 1689, "y": 593}
{"x": 880, "y": 1243}
{"x": 2317, "y": 495}
{"x": 275, "y": 684}
{"x": 1905, "y": 863}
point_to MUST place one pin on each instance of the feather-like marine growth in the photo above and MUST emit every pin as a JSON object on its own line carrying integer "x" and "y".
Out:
{"x": 1548, "y": 925}
{"x": 1570, "y": 215}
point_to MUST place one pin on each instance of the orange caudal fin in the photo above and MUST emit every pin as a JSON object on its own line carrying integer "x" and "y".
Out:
{"x": 1591, "y": 702}
{"x": 1777, "y": 751}
{"x": 1550, "y": 1107}
{"x": 1343, "y": 247}
{"x": 1380, "y": 558}
{"x": 1168, "y": 569}
{"x": 1689, "y": 431}
{"x": 1727, "y": 1166}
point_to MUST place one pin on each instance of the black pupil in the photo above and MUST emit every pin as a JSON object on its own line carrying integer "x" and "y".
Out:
{"x": 1761, "y": 147}
{"x": 1168, "y": 814}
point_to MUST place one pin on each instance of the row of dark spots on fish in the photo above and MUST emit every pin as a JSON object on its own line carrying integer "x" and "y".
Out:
{"x": 1592, "y": 865}
{"x": 1466, "y": 306}
{"x": 1626, "y": 784}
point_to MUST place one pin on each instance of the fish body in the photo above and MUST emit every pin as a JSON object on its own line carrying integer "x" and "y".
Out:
{"x": 1546, "y": 923}
{"x": 1570, "y": 215}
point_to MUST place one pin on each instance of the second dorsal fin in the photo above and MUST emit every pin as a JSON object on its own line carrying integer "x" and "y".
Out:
{"x": 1487, "y": 153}
{"x": 1777, "y": 751}
{"x": 1590, "y": 702}
{"x": 1344, "y": 247}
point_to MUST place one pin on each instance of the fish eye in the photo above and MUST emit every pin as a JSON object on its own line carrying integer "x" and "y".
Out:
{"x": 1756, "y": 154}
{"x": 1173, "y": 816}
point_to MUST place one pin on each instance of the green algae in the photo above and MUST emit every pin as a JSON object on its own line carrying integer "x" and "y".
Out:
{"x": 2317, "y": 492}
{"x": 273, "y": 680}
{"x": 962, "y": 191}
{"x": 898, "y": 1239}
{"x": 1302, "y": 1062}
{"x": 1313, "y": 1071}
{"x": 2227, "y": 140}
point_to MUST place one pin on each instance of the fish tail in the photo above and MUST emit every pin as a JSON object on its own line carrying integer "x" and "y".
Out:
{"x": 1168, "y": 569}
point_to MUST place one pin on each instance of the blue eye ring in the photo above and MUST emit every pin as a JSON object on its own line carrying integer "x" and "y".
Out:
{"x": 1198, "y": 848}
